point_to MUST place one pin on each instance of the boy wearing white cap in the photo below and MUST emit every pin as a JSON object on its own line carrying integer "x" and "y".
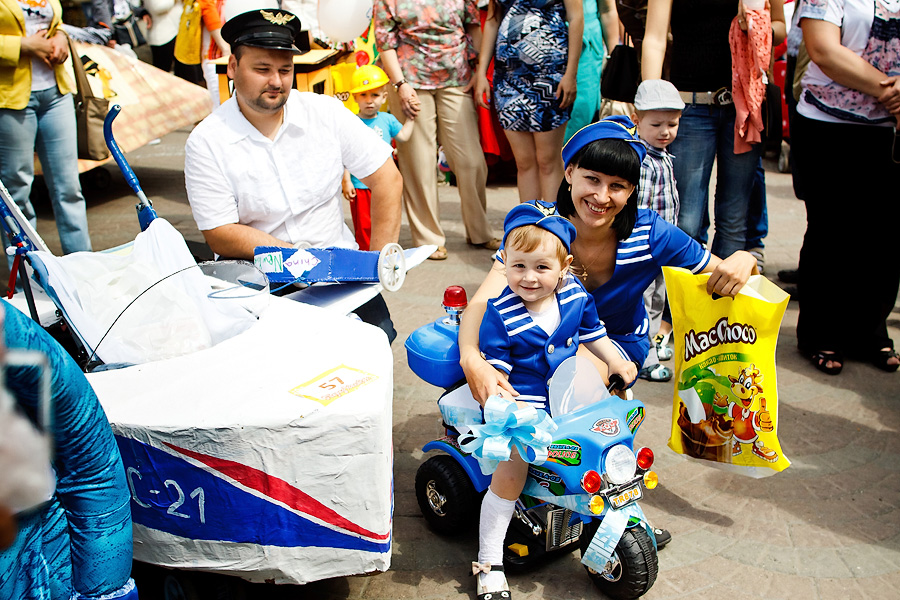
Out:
{"x": 658, "y": 109}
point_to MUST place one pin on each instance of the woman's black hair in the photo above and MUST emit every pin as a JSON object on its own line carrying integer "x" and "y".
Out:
{"x": 611, "y": 157}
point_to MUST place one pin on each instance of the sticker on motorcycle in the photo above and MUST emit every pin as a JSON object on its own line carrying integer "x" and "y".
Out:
{"x": 332, "y": 384}
{"x": 634, "y": 418}
{"x": 547, "y": 480}
{"x": 565, "y": 452}
{"x": 606, "y": 426}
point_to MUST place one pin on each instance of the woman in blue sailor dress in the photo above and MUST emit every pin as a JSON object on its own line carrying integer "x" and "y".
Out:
{"x": 617, "y": 252}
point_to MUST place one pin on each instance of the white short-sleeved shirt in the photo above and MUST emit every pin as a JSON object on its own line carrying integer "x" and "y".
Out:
{"x": 288, "y": 187}
{"x": 869, "y": 29}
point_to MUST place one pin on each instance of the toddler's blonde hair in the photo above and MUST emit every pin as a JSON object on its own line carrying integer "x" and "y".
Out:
{"x": 529, "y": 238}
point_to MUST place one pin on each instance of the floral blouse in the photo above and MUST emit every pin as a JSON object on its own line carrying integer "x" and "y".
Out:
{"x": 871, "y": 29}
{"x": 430, "y": 38}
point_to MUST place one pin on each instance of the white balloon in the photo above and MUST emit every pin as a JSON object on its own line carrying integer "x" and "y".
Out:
{"x": 234, "y": 8}
{"x": 344, "y": 20}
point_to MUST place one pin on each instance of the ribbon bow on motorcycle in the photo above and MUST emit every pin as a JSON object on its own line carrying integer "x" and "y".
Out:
{"x": 505, "y": 425}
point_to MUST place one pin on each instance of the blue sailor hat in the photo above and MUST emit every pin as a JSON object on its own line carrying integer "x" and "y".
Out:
{"x": 617, "y": 127}
{"x": 544, "y": 215}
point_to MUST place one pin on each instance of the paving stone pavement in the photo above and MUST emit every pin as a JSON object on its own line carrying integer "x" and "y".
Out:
{"x": 828, "y": 527}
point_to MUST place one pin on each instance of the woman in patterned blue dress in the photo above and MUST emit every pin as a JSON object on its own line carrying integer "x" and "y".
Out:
{"x": 535, "y": 66}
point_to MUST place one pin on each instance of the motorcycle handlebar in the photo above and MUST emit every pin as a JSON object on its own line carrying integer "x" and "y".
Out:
{"x": 615, "y": 383}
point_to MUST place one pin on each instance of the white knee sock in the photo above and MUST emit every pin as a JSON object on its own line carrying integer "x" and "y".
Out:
{"x": 495, "y": 515}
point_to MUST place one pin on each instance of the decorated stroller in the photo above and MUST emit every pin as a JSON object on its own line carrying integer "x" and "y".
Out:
{"x": 256, "y": 437}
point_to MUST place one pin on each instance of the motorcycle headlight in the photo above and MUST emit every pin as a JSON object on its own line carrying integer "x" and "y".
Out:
{"x": 620, "y": 464}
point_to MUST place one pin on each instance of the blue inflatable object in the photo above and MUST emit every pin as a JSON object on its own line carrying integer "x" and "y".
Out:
{"x": 79, "y": 544}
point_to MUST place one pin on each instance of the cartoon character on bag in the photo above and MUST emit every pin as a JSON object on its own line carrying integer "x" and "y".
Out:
{"x": 746, "y": 423}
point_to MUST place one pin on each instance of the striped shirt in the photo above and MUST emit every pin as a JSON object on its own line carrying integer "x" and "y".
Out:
{"x": 653, "y": 244}
{"x": 514, "y": 343}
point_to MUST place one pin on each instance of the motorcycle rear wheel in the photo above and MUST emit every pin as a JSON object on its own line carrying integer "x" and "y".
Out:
{"x": 633, "y": 568}
{"x": 446, "y": 496}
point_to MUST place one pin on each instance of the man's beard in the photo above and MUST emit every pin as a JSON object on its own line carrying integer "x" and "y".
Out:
{"x": 264, "y": 104}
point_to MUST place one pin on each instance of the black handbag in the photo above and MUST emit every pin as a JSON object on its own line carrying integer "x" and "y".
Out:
{"x": 622, "y": 74}
{"x": 128, "y": 32}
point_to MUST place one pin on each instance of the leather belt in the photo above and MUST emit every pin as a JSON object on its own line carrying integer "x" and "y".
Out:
{"x": 721, "y": 97}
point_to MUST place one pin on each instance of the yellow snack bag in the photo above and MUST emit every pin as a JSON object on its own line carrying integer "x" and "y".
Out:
{"x": 726, "y": 399}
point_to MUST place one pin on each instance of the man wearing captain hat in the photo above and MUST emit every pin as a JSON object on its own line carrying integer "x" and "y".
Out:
{"x": 265, "y": 168}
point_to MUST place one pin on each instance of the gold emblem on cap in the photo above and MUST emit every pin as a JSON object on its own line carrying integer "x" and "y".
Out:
{"x": 547, "y": 211}
{"x": 279, "y": 19}
{"x": 631, "y": 130}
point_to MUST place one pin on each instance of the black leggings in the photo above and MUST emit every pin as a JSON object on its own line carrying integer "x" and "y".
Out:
{"x": 849, "y": 272}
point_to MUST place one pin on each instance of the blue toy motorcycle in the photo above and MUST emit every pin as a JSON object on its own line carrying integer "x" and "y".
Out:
{"x": 585, "y": 494}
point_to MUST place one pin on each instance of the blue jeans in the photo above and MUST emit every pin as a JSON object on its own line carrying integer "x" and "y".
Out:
{"x": 706, "y": 134}
{"x": 758, "y": 212}
{"x": 46, "y": 124}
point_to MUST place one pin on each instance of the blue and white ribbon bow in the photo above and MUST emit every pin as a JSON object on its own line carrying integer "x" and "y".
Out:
{"x": 506, "y": 425}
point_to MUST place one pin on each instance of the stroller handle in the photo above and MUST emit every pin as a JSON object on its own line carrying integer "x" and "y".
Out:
{"x": 113, "y": 146}
{"x": 145, "y": 208}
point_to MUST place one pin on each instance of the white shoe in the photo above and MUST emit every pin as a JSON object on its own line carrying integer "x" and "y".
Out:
{"x": 663, "y": 351}
{"x": 490, "y": 582}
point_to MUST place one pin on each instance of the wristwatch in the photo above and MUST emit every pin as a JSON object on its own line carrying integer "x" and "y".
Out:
{"x": 399, "y": 83}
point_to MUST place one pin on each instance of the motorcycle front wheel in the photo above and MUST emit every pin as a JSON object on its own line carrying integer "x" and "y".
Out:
{"x": 446, "y": 496}
{"x": 633, "y": 567}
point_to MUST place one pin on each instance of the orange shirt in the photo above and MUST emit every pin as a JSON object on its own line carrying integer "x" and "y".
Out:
{"x": 210, "y": 10}
{"x": 210, "y": 13}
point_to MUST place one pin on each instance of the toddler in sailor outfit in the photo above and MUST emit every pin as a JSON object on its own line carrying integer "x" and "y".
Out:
{"x": 536, "y": 323}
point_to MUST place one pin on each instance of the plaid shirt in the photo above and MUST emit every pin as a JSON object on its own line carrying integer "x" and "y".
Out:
{"x": 657, "y": 189}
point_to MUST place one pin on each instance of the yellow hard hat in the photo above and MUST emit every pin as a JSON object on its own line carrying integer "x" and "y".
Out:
{"x": 368, "y": 77}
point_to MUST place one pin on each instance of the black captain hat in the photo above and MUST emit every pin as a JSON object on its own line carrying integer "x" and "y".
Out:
{"x": 265, "y": 28}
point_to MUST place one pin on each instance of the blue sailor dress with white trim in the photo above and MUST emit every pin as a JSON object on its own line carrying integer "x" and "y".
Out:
{"x": 512, "y": 342}
{"x": 653, "y": 244}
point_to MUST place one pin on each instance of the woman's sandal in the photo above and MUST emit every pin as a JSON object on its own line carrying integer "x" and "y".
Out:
{"x": 439, "y": 254}
{"x": 656, "y": 372}
{"x": 492, "y": 244}
{"x": 880, "y": 359}
{"x": 483, "y": 592}
{"x": 820, "y": 358}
